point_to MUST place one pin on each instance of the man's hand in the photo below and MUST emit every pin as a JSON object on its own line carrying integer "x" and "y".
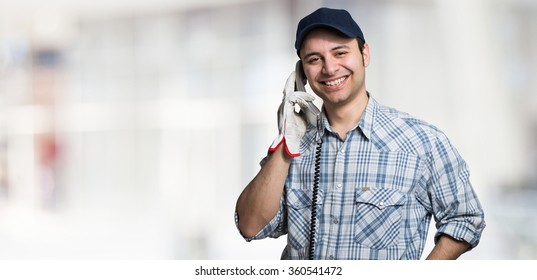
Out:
{"x": 291, "y": 124}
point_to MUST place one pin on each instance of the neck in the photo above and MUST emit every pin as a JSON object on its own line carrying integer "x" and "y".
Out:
{"x": 344, "y": 117}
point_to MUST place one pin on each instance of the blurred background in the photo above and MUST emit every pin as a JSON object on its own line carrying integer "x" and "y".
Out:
{"x": 129, "y": 128}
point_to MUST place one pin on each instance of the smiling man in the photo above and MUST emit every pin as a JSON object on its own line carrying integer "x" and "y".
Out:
{"x": 335, "y": 68}
{"x": 381, "y": 174}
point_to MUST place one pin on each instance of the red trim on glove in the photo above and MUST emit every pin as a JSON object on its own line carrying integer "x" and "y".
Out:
{"x": 286, "y": 149}
{"x": 277, "y": 146}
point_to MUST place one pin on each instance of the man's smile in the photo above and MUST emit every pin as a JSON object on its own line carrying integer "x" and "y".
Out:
{"x": 334, "y": 82}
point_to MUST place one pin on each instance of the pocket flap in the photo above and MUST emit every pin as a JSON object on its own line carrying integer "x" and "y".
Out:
{"x": 299, "y": 198}
{"x": 380, "y": 197}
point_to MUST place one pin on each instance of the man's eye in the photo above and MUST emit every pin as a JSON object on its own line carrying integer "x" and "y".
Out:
{"x": 313, "y": 60}
{"x": 341, "y": 53}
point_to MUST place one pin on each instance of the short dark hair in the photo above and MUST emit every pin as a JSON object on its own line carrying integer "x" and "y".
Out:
{"x": 360, "y": 45}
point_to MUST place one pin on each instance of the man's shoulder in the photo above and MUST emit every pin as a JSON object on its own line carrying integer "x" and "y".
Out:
{"x": 387, "y": 114}
{"x": 402, "y": 130}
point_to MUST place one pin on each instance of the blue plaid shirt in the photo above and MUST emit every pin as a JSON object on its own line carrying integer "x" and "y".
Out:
{"x": 378, "y": 191}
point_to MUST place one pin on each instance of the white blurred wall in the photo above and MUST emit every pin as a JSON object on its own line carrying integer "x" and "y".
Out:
{"x": 127, "y": 130}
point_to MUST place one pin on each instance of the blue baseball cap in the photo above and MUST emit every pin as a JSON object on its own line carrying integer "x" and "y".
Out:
{"x": 337, "y": 19}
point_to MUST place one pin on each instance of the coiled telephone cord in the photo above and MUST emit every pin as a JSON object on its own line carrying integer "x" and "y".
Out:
{"x": 314, "y": 198}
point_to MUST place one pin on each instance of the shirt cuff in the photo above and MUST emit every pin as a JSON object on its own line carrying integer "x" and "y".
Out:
{"x": 462, "y": 232}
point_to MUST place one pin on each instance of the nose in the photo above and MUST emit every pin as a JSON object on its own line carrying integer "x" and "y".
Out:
{"x": 330, "y": 66}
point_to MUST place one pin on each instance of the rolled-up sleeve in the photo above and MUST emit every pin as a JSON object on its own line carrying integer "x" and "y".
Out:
{"x": 455, "y": 205}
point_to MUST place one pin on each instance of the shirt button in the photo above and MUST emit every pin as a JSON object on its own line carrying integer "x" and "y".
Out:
{"x": 331, "y": 257}
{"x": 335, "y": 221}
{"x": 339, "y": 186}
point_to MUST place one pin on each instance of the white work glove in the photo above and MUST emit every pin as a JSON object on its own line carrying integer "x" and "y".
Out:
{"x": 292, "y": 125}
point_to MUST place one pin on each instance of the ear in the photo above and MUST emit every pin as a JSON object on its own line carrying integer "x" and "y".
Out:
{"x": 365, "y": 55}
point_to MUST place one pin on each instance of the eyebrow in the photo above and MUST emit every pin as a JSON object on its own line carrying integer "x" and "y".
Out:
{"x": 333, "y": 49}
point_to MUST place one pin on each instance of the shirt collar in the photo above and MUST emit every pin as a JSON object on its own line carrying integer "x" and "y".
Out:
{"x": 366, "y": 122}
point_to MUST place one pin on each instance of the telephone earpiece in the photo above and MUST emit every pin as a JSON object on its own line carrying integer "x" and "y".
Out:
{"x": 312, "y": 113}
{"x": 301, "y": 80}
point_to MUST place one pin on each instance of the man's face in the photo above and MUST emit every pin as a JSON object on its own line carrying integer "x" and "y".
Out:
{"x": 334, "y": 66}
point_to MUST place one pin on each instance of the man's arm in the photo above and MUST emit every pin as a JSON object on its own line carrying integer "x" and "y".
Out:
{"x": 447, "y": 248}
{"x": 260, "y": 200}
{"x": 458, "y": 213}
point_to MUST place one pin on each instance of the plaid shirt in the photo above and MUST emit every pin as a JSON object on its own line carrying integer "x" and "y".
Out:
{"x": 378, "y": 191}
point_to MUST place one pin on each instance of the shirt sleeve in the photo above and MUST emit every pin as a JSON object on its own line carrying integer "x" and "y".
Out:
{"x": 455, "y": 205}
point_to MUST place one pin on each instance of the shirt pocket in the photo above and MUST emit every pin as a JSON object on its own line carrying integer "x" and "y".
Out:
{"x": 299, "y": 205}
{"x": 377, "y": 221}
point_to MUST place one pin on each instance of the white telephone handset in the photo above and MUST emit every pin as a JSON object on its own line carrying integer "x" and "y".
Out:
{"x": 312, "y": 113}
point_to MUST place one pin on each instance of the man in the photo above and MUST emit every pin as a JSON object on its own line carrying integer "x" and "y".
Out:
{"x": 382, "y": 173}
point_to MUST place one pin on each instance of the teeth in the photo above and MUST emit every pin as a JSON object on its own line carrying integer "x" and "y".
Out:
{"x": 335, "y": 82}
